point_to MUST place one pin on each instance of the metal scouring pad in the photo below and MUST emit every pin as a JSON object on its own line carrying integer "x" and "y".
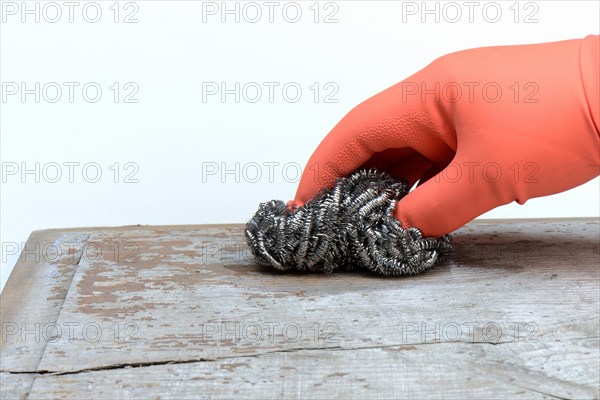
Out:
{"x": 350, "y": 226}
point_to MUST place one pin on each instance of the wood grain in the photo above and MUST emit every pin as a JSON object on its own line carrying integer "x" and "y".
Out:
{"x": 182, "y": 311}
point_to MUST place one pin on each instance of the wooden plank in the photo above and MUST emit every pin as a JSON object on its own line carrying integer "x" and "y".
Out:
{"x": 30, "y": 304}
{"x": 414, "y": 371}
{"x": 34, "y": 294}
{"x": 146, "y": 297}
{"x": 15, "y": 386}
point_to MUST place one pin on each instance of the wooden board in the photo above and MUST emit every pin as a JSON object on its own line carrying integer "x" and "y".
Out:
{"x": 183, "y": 312}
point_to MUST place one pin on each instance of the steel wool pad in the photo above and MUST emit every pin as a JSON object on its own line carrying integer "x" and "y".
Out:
{"x": 350, "y": 226}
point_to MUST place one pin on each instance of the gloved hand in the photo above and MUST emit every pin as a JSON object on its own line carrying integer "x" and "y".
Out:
{"x": 478, "y": 128}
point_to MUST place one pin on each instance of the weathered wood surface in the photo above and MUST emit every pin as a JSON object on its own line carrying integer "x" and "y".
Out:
{"x": 183, "y": 312}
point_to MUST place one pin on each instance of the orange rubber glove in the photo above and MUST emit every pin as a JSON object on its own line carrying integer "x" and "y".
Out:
{"x": 478, "y": 128}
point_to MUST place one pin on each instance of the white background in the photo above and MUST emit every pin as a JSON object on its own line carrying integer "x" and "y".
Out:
{"x": 172, "y": 132}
